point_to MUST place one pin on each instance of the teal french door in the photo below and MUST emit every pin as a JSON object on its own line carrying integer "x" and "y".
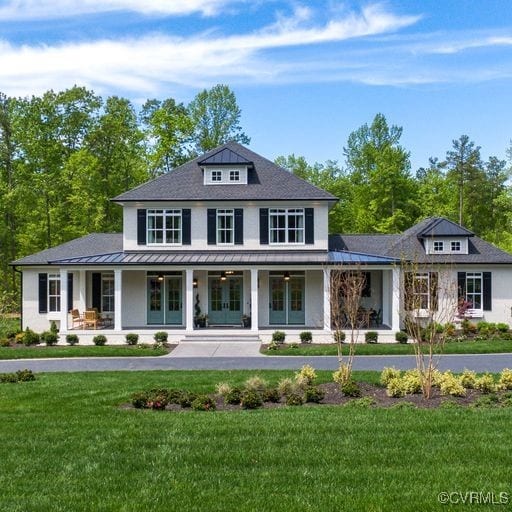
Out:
{"x": 165, "y": 300}
{"x": 286, "y": 301}
{"x": 225, "y": 300}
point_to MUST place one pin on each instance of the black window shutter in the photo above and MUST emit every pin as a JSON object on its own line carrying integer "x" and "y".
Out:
{"x": 96, "y": 290}
{"x": 212, "y": 226}
{"x": 186, "y": 228}
{"x": 70, "y": 291}
{"x": 461, "y": 284}
{"x": 264, "y": 226}
{"x": 43, "y": 293}
{"x": 434, "y": 291}
{"x": 239, "y": 226}
{"x": 408, "y": 291}
{"x": 309, "y": 223}
{"x": 141, "y": 226}
{"x": 487, "y": 291}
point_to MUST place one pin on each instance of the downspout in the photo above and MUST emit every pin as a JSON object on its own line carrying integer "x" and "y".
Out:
{"x": 21, "y": 294}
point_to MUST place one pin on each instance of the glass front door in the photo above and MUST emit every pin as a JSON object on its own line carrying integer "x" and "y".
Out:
{"x": 287, "y": 301}
{"x": 165, "y": 301}
{"x": 225, "y": 301}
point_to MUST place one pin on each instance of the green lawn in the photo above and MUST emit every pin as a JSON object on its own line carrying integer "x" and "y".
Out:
{"x": 79, "y": 351}
{"x": 494, "y": 346}
{"x": 67, "y": 446}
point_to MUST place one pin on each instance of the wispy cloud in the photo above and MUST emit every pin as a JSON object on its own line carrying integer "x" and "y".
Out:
{"x": 51, "y": 9}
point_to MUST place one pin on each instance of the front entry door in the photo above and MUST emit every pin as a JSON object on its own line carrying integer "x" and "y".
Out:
{"x": 225, "y": 304}
{"x": 155, "y": 301}
{"x": 287, "y": 301}
{"x": 173, "y": 315}
{"x": 165, "y": 301}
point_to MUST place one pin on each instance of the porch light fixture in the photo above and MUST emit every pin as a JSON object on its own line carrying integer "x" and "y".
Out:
{"x": 229, "y": 272}
{"x": 194, "y": 283}
{"x": 160, "y": 277}
{"x": 223, "y": 276}
{"x": 286, "y": 276}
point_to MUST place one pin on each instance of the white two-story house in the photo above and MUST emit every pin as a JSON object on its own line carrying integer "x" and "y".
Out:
{"x": 233, "y": 244}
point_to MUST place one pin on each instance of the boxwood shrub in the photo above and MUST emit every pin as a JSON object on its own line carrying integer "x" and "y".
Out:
{"x": 99, "y": 340}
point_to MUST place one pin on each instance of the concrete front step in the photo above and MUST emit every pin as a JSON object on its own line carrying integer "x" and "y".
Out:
{"x": 212, "y": 338}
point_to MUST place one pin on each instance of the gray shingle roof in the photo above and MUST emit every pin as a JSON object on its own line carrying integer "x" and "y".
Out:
{"x": 266, "y": 181}
{"x": 90, "y": 245}
{"x": 409, "y": 246}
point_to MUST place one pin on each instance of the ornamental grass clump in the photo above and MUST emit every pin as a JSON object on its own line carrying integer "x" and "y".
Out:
{"x": 342, "y": 374}
{"x": 286, "y": 386}
{"x": 223, "y": 388}
{"x": 256, "y": 383}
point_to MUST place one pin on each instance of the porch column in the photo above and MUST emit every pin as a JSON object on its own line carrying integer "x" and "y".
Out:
{"x": 189, "y": 299}
{"x": 395, "y": 302}
{"x": 63, "y": 299}
{"x": 82, "y": 301}
{"x": 118, "y": 286}
{"x": 327, "y": 299}
{"x": 254, "y": 300}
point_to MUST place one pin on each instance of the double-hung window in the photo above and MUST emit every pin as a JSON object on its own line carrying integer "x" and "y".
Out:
{"x": 438, "y": 246}
{"x": 474, "y": 289}
{"x": 53, "y": 292}
{"x": 455, "y": 246}
{"x": 225, "y": 226}
{"x": 421, "y": 291}
{"x": 286, "y": 225}
{"x": 164, "y": 226}
{"x": 107, "y": 293}
{"x": 234, "y": 175}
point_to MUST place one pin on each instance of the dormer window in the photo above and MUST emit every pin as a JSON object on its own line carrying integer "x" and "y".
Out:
{"x": 216, "y": 176}
{"x": 234, "y": 175}
{"x": 438, "y": 246}
{"x": 455, "y": 246}
{"x": 225, "y": 176}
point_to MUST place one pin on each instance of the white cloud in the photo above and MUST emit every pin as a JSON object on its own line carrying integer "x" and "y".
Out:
{"x": 51, "y": 9}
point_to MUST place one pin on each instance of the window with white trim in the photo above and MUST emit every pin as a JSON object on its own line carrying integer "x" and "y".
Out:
{"x": 53, "y": 292}
{"x": 455, "y": 246}
{"x": 474, "y": 289}
{"x": 438, "y": 246}
{"x": 234, "y": 175}
{"x": 164, "y": 226}
{"x": 421, "y": 291}
{"x": 216, "y": 176}
{"x": 107, "y": 293}
{"x": 225, "y": 226}
{"x": 286, "y": 225}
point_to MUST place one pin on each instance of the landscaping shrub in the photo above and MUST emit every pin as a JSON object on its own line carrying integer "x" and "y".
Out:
{"x": 468, "y": 379}
{"x": 233, "y": 397}
{"x": 157, "y": 400}
{"x": 186, "y": 399}
{"x": 251, "y": 399}
{"x": 294, "y": 345}
{"x": 339, "y": 336}
{"x": 273, "y": 346}
{"x": 468, "y": 327}
{"x": 389, "y": 373}
{"x": 502, "y": 327}
{"x": 20, "y": 376}
{"x": 160, "y": 337}
{"x": 341, "y": 375}
{"x": 223, "y": 388}
{"x": 278, "y": 336}
{"x": 306, "y": 337}
{"x": 449, "y": 329}
{"x": 485, "y": 383}
{"x": 139, "y": 399}
{"x": 361, "y": 403}
{"x": 72, "y": 339}
{"x": 506, "y": 379}
{"x": 294, "y": 399}
{"x": 395, "y": 388}
{"x": 204, "y": 403}
{"x": 99, "y": 340}
{"x": 174, "y": 395}
{"x": 50, "y": 338}
{"x": 8, "y": 378}
{"x": 286, "y": 386}
{"x": 256, "y": 383}
{"x": 271, "y": 395}
{"x": 132, "y": 338}
{"x": 411, "y": 382}
{"x": 53, "y": 327}
{"x": 306, "y": 376}
{"x": 314, "y": 394}
{"x": 371, "y": 337}
{"x": 401, "y": 337}
{"x": 450, "y": 385}
{"x": 5, "y": 343}
{"x": 29, "y": 337}
{"x": 351, "y": 388}
{"x": 11, "y": 335}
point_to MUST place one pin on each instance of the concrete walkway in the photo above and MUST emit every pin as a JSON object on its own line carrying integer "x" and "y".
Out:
{"x": 217, "y": 349}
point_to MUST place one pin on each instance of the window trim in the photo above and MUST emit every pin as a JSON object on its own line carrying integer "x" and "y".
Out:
{"x": 164, "y": 213}
{"x": 226, "y": 213}
{"x": 480, "y": 277}
{"x": 234, "y": 175}
{"x": 440, "y": 243}
{"x": 107, "y": 276}
{"x": 287, "y": 213}
{"x": 54, "y": 297}
{"x": 216, "y": 176}
{"x": 455, "y": 243}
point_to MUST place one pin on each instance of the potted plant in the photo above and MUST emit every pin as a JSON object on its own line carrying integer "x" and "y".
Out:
{"x": 199, "y": 319}
{"x": 246, "y": 321}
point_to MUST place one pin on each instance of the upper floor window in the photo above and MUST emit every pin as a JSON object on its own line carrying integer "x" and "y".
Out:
{"x": 438, "y": 246}
{"x": 455, "y": 246}
{"x": 216, "y": 176}
{"x": 107, "y": 293}
{"x": 286, "y": 225}
{"x": 164, "y": 226}
{"x": 225, "y": 176}
{"x": 53, "y": 292}
{"x": 225, "y": 226}
{"x": 234, "y": 175}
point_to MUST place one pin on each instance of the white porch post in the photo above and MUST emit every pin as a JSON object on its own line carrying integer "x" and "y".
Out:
{"x": 82, "y": 290}
{"x": 118, "y": 286}
{"x": 395, "y": 302}
{"x": 189, "y": 299}
{"x": 254, "y": 300}
{"x": 327, "y": 299}
{"x": 63, "y": 299}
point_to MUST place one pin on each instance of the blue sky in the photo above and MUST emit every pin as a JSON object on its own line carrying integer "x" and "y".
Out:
{"x": 306, "y": 73}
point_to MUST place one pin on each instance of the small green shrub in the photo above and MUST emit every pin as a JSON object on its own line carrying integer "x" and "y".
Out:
{"x": 72, "y": 339}
{"x": 294, "y": 399}
{"x": 450, "y": 385}
{"x": 371, "y": 337}
{"x": 485, "y": 383}
{"x": 174, "y": 395}
{"x": 30, "y": 337}
{"x": 449, "y": 329}
{"x": 251, "y": 399}
{"x": 53, "y": 327}
{"x": 5, "y": 342}
{"x": 314, "y": 394}
{"x": 341, "y": 375}
{"x": 160, "y": 337}
{"x": 157, "y": 399}
{"x": 186, "y": 398}
{"x": 204, "y": 403}
{"x": 273, "y": 346}
{"x": 395, "y": 388}
{"x": 339, "y": 336}
{"x": 139, "y": 399}
{"x": 306, "y": 337}
{"x": 256, "y": 383}
{"x": 468, "y": 327}
{"x": 271, "y": 395}
{"x": 8, "y": 378}
{"x": 468, "y": 379}
{"x": 223, "y": 388}
{"x": 351, "y": 388}
{"x": 411, "y": 382}
{"x": 11, "y": 335}
{"x": 506, "y": 378}
{"x": 50, "y": 338}
{"x": 489, "y": 400}
{"x": 403, "y": 405}
{"x": 389, "y": 373}
{"x": 306, "y": 376}
{"x": 294, "y": 345}
{"x": 361, "y": 403}
{"x": 278, "y": 336}
{"x": 286, "y": 386}
{"x": 132, "y": 338}
{"x": 99, "y": 340}
{"x": 233, "y": 396}
{"x": 25, "y": 375}
{"x": 502, "y": 327}
{"x": 401, "y": 337}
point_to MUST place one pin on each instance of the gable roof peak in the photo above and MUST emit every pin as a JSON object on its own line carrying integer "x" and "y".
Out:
{"x": 441, "y": 226}
{"x": 225, "y": 155}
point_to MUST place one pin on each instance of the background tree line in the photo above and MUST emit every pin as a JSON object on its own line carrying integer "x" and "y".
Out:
{"x": 63, "y": 155}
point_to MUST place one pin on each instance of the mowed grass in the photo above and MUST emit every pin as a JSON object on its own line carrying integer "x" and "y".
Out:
{"x": 79, "y": 351}
{"x": 67, "y": 446}
{"x": 492, "y": 346}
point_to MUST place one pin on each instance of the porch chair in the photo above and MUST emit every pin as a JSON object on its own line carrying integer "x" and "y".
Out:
{"x": 76, "y": 318}
{"x": 92, "y": 318}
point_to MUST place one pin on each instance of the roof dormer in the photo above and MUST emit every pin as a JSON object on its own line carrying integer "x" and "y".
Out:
{"x": 226, "y": 167}
{"x": 442, "y": 236}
